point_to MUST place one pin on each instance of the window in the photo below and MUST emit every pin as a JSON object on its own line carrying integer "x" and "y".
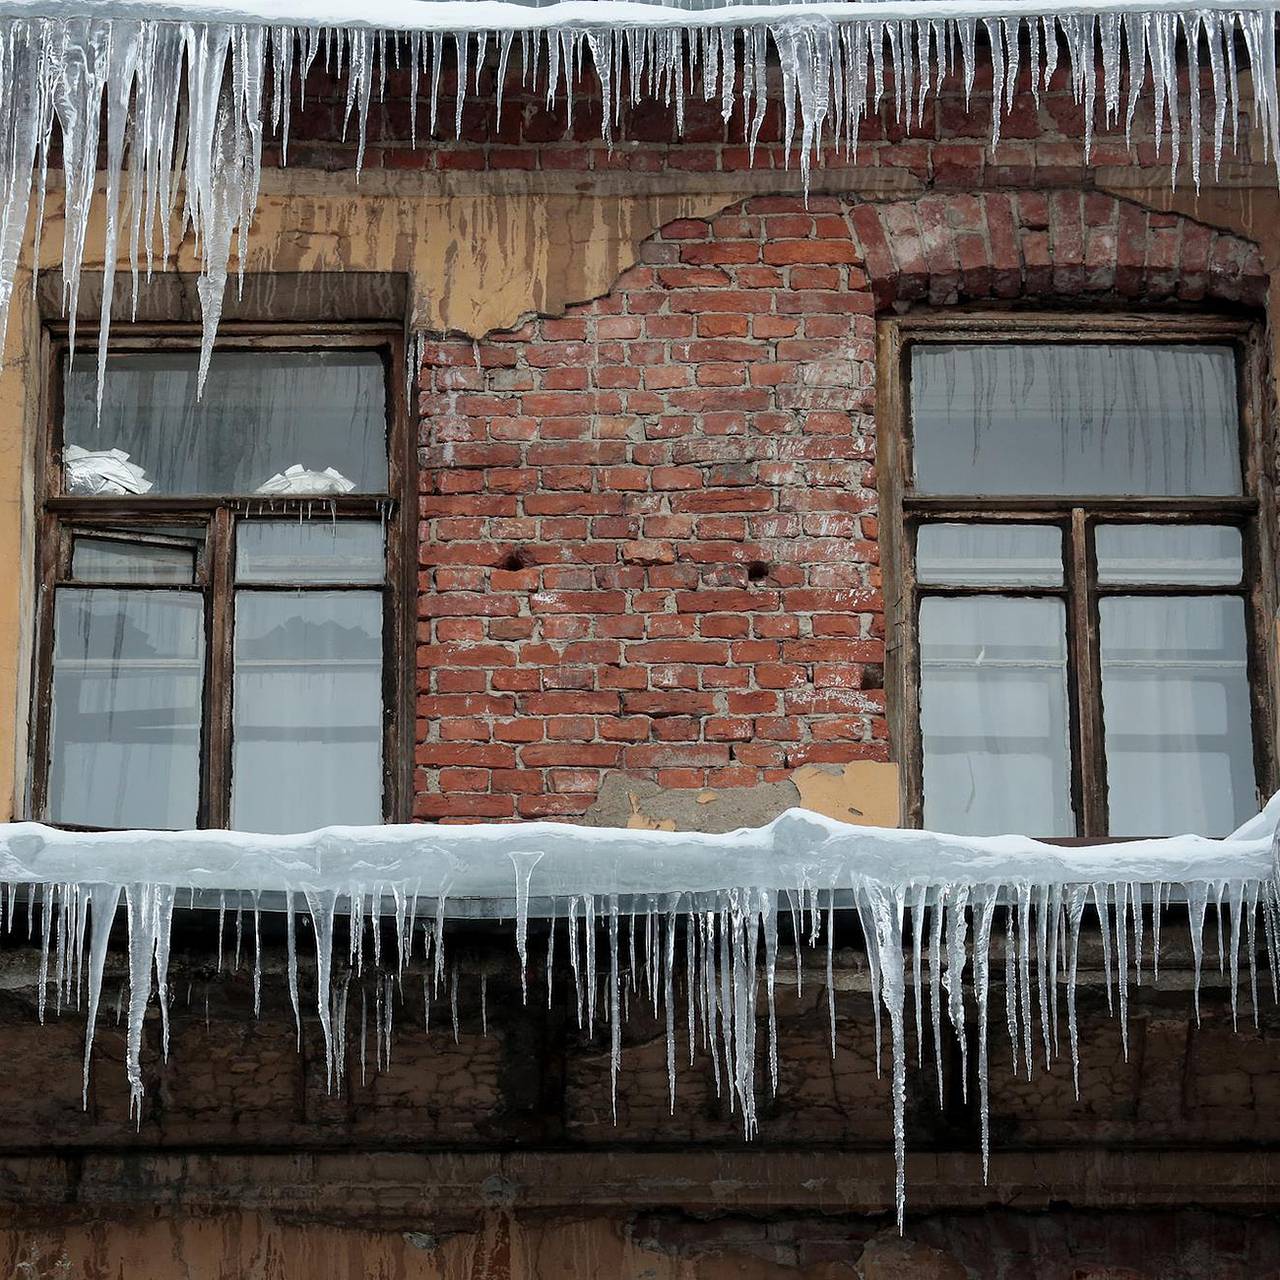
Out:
{"x": 1075, "y": 522}
{"x": 221, "y": 611}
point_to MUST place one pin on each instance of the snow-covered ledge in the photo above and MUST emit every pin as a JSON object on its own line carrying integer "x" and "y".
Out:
{"x": 696, "y": 915}
{"x": 113, "y": 75}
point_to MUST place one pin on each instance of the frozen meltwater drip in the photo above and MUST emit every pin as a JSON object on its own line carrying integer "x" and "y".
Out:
{"x": 178, "y": 111}
{"x": 524, "y": 861}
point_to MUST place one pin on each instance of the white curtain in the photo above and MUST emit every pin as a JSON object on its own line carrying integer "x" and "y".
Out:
{"x": 128, "y": 678}
{"x": 1074, "y": 418}
{"x": 993, "y": 707}
{"x": 1175, "y": 694}
{"x": 307, "y": 718}
{"x": 260, "y": 413}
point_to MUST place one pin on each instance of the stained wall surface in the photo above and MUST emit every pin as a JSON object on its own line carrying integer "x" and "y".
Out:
{"x": 647, "y": 452}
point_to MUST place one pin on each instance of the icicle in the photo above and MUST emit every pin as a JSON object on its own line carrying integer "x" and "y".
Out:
{"x": 831, "y": 982}
{"x": 291, "y": 946}
{"x": 1157, "y": 914}
{"x": 46, "y": 942}
{"x": 1024, "y": 970}
{"x": 1122, "y": 962}
{"x": 935, "y": 984}
{"x": 102, "y": 900}
{"x": 551, "y": 957}
{"x": 886, "y": 909}
{"x": 150, "y": 912}
{"x": 985, "y": 902}
{"x": 1197, "y": 904}
{"x": 957, "y": 937}
{"x": 257, "y": 956}
{"x": 1102, "y": 902}
{"x": 1236, "y": 908}
{"x": 669, "y": 996}
{"x": 524, "y": 863}
{"x": 1079, "y": 897}
{"x": 615, "y": 1018}
{"x": 322, "y": 905}
{"x": 917, "y": 966}
{"x": 1251, "y": 946}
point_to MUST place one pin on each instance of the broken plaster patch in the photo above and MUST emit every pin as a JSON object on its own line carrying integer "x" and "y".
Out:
{"x": 863, "y": 791}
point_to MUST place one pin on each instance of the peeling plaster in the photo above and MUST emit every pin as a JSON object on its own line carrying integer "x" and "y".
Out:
{"x": 863, "y": 791}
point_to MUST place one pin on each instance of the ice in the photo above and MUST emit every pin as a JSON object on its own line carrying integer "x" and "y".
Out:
{"x": 725, "y": 895}
{"x": 196, "y": 170}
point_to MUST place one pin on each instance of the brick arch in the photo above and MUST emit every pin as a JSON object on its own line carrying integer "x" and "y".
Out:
{"x": 1069, "y": 245}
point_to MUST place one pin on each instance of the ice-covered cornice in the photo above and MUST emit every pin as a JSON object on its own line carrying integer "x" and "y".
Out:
{"x": 694, "y": 926}
{"x": 509, "y": 15}
{"x": 108, "y": 78}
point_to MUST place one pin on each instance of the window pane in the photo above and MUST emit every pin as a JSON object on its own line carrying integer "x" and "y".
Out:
{"x": 307, "y": 748}
{"x": 261, "y": 413}
{"x": 112, "y": 560}
{"x": 997, "y": 555}
{"x": 1207, "y": 555}
{"x": 309, "y": 551}
{"x": 993, "y": 704}
{"x": 128, "y": 680}
{"x": 1175, "y": 696}
{"x": 1056, "y": 418}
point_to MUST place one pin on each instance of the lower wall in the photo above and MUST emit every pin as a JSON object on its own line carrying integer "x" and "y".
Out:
{"x": 490, "y": 1153}
{"x": 997, "y": 1244}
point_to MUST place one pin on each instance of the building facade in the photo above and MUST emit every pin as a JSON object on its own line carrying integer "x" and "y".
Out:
{"x": 932, "y": 490}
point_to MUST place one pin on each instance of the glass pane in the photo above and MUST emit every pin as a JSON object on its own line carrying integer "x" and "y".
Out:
{"x": 1175, "y": 694}
{"x": 112, "y": 560}
{"x": 128, "y": 681}
{"x": 996, "y": 555}
{"x": 309, "y": 551}
{"x": 307, "y": 748}
{"x": 993, "y": 707}
{"x": 1202, "y": 554}
{"x": 1014, "y": 418}
{"x": 262, "y": 412}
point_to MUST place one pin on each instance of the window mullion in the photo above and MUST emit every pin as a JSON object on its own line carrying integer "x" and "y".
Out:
{"x": 217, "y": 732}
{"x": 1089, "y": 769}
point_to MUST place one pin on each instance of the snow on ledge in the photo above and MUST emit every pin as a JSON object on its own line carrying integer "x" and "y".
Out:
{"x": 694, "y": 925}
{"x": 475, "y": 861}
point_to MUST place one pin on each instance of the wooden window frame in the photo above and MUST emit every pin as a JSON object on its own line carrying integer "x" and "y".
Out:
{"x": 59, "y": 515}
{"x": 1077, "y": 515}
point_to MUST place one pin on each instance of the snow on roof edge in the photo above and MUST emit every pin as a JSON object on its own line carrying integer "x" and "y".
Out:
{"x": 503, "y": 15}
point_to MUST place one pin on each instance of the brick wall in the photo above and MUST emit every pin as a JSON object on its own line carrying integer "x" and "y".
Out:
{"x": 648, "y": 535}
{"x": 947, "y": 144}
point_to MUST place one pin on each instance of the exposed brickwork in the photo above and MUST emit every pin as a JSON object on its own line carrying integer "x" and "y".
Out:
{"x": 649, "y": 527}
{"x": 648, "y": 535}
{"x": 996, "y": 246}
{"x": 948, "y": 146}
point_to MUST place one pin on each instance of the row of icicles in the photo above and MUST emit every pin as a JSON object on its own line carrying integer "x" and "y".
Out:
{"x": 179, "y": 109}
{"x": 706, "y": 970}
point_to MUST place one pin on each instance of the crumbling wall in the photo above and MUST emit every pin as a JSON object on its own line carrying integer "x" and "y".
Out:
{"x": 650, "y": 526}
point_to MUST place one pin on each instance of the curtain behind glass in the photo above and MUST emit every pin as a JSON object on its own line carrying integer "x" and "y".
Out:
{"x": 260, "y": 413}
{"x": 307, "y": 735}
{"x": 993, "y": 709}
{"x": 128, "y": 680}
{"x": 1074, "y": 418}
{"x": 1175, "y": 693}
